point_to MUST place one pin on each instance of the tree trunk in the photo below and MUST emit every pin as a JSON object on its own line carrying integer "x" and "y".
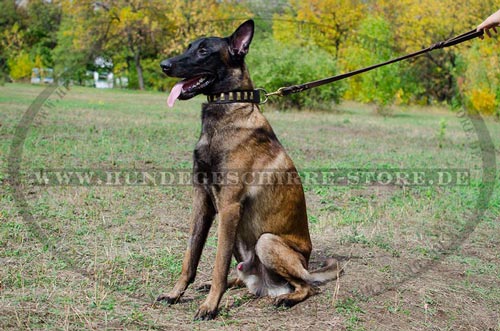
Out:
{"x": 138, "y": 67}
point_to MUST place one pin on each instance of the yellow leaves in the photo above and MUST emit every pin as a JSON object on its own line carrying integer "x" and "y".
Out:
{"x": 18, "y": 59}
{"x": 400, "y": 98}
{"x": 154, "y": 25}
{"x": 129, "y": 17}
{"x": 20, "y": 66}
{"x": 287, "y": 30}
{"x": 326, "y": 23}
{"x": 125, "y": 14}
{"x": 421, "y": 23}
{"x": 483, "y": 101}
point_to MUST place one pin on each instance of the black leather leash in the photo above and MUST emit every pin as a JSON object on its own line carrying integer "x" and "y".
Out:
{"x": 261, "y": 96}
{"x": 283, "y": 91}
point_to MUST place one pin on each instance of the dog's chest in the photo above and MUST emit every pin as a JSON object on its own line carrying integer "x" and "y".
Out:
{"x": 212, "y": 146}
{"x": 208, "y": 166}
{"x": 207, "y": 156}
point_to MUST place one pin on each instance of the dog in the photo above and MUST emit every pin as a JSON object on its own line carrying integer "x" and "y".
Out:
{"x": 265, "y": 225}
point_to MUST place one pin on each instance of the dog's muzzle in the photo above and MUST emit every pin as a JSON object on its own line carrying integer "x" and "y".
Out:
{"x": 166, "y": 66}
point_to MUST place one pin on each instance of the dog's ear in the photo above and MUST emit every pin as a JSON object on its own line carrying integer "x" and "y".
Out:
{"x": 239, "y": 41}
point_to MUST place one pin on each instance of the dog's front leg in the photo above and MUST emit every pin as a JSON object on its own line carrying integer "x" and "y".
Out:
{"x": 203, "y": 216}
{"x": 229, "y": 217}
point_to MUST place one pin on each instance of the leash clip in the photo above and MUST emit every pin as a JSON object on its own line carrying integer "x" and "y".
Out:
{"x": 264, "y": 93}
{"x": 278, "y": 92}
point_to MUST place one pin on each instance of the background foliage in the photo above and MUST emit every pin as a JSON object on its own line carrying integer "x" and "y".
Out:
{"x": 296, "y": 41}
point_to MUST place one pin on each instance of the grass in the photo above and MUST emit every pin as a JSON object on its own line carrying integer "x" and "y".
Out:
{"x": 350, "y": 309}
{"x": 111, "y": 250}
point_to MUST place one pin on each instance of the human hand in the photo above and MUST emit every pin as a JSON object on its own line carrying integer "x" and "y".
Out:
{"x": 490, "y": 23}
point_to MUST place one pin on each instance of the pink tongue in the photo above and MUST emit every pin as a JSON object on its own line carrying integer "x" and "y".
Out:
{"x": 174, "y": 94}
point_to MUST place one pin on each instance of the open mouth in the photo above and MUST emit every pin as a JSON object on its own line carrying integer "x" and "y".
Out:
{"x": 188, "y": 88}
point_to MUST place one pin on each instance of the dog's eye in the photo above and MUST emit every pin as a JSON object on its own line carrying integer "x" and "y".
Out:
{"x": 202, "y": 51}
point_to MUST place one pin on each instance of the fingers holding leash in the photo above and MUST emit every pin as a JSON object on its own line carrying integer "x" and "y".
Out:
{"x": 490, "y": 23}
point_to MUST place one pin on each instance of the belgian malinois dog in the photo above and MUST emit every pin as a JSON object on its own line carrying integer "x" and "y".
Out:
{"x": 263, "y": 224}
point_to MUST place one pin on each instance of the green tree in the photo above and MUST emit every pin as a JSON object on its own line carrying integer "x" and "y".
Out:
{"x": 373, "y": 44}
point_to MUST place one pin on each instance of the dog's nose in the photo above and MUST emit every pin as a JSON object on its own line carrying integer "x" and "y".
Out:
{"x": 166, "y": 66}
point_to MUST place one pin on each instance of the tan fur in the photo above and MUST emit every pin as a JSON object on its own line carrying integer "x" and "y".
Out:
{"x": 262, "y": 223}
{"x": 266, "y": 223}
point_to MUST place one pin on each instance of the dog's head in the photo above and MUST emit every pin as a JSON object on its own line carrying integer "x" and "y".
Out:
{"x": 211, "y": 65}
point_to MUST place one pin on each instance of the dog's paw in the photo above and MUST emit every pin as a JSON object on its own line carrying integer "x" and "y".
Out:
{"x": 168, "y": 298}
{"x": 205, "y": 313}
{"x": 284, "y": 301}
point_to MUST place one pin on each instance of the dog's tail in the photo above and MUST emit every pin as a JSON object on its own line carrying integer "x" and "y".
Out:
{"x": 330, "y": 271}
